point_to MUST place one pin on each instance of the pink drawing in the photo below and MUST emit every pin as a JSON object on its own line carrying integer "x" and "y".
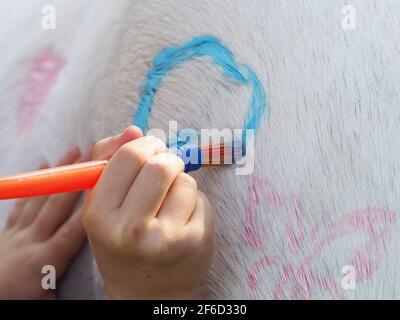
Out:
{"x": 297, "y": 278}
{"x": 37, "y": 86}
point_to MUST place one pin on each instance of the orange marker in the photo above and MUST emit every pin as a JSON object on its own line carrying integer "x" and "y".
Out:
{"x": 75, "y": 177}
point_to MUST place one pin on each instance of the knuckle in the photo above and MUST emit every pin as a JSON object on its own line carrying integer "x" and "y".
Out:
{"x": 99, "y": 148}
{"x": 162, "y": 166}
{"x": 169, "y": 236}
{"x": 133, "y": 234}
{"x": 187, "y": 181}
{"x": 130, "y": 153}
{"x": 169, "y": 242}
{"x": 167, "y": 163}
{"x": 157, "y": 142}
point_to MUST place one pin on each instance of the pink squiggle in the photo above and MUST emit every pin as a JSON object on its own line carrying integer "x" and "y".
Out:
{"x": 374, "y": 223}
{"x": 255, "y": 269}
{"x": 295, "y": 232}
{"x": 293, "y": 281}
{"x": 298, "y": 280}
{"x": 37, "y": 86}
{"x": 367, "y": 258}
{"x": 253, "y": 238}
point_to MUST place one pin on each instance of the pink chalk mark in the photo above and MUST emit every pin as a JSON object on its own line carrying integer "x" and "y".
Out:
{"x": 297, "y": 281}
{"x": 255, "y": 239}
{"x": 256, "y": 268}
{"x": 295, "y": 230}
{"x": 37, "y": 86}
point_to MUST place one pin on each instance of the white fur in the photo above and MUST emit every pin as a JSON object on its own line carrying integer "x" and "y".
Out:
{"x": 332, "y": 137}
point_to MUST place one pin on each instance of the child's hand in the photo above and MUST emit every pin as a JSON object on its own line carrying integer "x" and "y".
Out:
{"x": 151, "y": 231}
{"x": 40, "y": 231}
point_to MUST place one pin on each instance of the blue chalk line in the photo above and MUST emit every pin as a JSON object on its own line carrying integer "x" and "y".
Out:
{"x": 204, "y": 46}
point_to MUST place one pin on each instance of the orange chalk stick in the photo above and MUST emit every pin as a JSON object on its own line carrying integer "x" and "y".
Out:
{"x": 76, "y": 177}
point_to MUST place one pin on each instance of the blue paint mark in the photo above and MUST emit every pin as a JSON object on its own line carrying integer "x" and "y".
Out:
{"x": 204, "y": 46}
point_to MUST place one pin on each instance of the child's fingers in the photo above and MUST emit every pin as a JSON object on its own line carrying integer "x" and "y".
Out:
{"x": 54, "y": 213}
{"x": 16, "y": 213}
{"x": 30, "y": 211}
{"x": 25, "y": 210}
{"x": 148, "y": 191}
{"x": 180, "y": 200}
{"x": 105, "y": 148}
{"x": 70, "y": 157}
{"x": 122, "y": 170}
{"x": 56, "y": 209}
{"x": 67, "y": 241}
